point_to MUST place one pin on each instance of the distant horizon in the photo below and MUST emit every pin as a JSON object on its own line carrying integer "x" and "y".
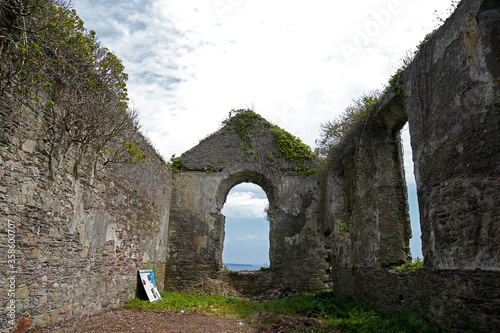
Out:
{"x": 237, "y": 264}
{"x": 245, "y": 267}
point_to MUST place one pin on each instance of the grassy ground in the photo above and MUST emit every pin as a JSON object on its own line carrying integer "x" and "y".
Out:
{"x": 337, "y": 313}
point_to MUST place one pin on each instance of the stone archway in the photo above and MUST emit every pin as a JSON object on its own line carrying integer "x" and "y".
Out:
{"x": 244, "y": 177}
{"x": 228, "y": 185}
{"x": 206, "y": 174}
{"x": 246, "y": 229}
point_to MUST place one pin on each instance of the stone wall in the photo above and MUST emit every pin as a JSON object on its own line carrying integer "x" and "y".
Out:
{"x": 78, "y": 242}
{"x": 249, "y": 283}
{"x": 297, "y": 253}
{"x": 455, "y": 300}
{"x": 365, "y": 196}
{"x": 453, "y": 102}
{"x": 452, "y": 99}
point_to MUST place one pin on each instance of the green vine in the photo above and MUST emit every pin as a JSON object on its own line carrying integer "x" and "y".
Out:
{"x": 304, "y": 170}
{"x": 289, "y": 147}
{"x": 176, "y": 164}
{"x": 243, "y": 120}
{"x": 209, "y": 169}
{"x": 135, "y": 154}
{"x": 397, "y": 83}
{"x": 409, "y": 266}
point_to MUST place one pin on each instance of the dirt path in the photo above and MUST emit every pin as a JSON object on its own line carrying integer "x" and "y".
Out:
{"x": 122, "y": 320}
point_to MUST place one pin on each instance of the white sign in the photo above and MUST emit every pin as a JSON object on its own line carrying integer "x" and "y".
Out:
{"x": 147, "y": 277}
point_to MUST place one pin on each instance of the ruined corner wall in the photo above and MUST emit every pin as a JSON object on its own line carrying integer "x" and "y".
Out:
{"x": 365, "y": 197}
{"x": 297, "y": 253}
{"x": 452, "y": 98}
{"x": 453, "y": 102}
{"x": 78, "y": 242}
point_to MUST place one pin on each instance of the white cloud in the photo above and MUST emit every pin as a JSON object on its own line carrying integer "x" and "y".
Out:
{"x": 249, "y": 238}
{"x": 192, "y": 62}
{"x": 408, "y": 155}
{"x": 244, "y": 205}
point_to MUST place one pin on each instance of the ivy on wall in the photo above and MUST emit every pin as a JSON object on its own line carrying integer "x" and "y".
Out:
{"x": 247, "y": 123}
{"x": 176, "y": 164}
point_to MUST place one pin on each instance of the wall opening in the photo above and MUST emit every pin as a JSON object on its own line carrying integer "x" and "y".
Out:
{"x": 246, "y": 239}
{"x": 416, "y": 240}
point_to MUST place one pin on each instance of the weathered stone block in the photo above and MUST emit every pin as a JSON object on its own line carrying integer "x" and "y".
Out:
{"x": 29, "y": 146}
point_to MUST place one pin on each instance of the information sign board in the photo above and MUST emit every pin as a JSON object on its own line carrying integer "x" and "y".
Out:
{"x": 147, "y": 277}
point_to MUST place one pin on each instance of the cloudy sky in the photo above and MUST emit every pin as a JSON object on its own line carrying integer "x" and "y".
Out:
{"x": 247, "y": 230}
{"x": 296, "y": 63}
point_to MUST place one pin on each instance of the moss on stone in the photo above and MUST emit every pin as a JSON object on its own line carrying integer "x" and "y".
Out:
{"x": 246, "y": 123}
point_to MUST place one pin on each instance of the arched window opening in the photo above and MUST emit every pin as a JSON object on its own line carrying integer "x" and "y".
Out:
{"x": 415, "y": 241}
{"x": 246, "y": 240}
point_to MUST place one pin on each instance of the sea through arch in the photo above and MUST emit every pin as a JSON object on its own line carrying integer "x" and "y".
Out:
{"x": 246, "y": 230}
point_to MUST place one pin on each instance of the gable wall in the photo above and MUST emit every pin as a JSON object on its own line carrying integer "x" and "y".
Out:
{"x": 297, "y": 255}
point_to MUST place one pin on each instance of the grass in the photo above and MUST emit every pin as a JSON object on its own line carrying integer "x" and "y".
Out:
{"x": 337, "y": 313}
{"x": 409, "y": 266}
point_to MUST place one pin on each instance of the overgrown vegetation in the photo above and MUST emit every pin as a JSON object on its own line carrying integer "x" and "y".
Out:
{"x": 247, "y": 123}
{"x": 50, "y": 62}
{"x": 176, "y": 164}
{"x": 354, "y": 116}
{"x": 209, "y": 169}
{"x": 396, "y": 82}
{"x": 337, "y": 313}
{"x": 332, "y": 132}
{"x": 409, "y": 266}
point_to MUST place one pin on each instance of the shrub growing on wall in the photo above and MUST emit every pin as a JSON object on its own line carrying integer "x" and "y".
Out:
{"x": 340, "y": 130}
{"x": 50, "y": 62}
{"x": 287, "y": 146}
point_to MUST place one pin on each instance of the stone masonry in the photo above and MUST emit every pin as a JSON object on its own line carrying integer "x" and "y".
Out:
{"x": 297, "y": 254}
{"x": 452, "y": 103}
{"x": 78, "y": 241}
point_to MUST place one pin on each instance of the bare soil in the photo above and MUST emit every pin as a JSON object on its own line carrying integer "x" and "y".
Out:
{"x": 270, "y": 322}
{"x": 123, "y": 320}
{"x": 126, "y": 320}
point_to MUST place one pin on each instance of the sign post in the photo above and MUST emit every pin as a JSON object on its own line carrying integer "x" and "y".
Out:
{"x": 147, "y": 280}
